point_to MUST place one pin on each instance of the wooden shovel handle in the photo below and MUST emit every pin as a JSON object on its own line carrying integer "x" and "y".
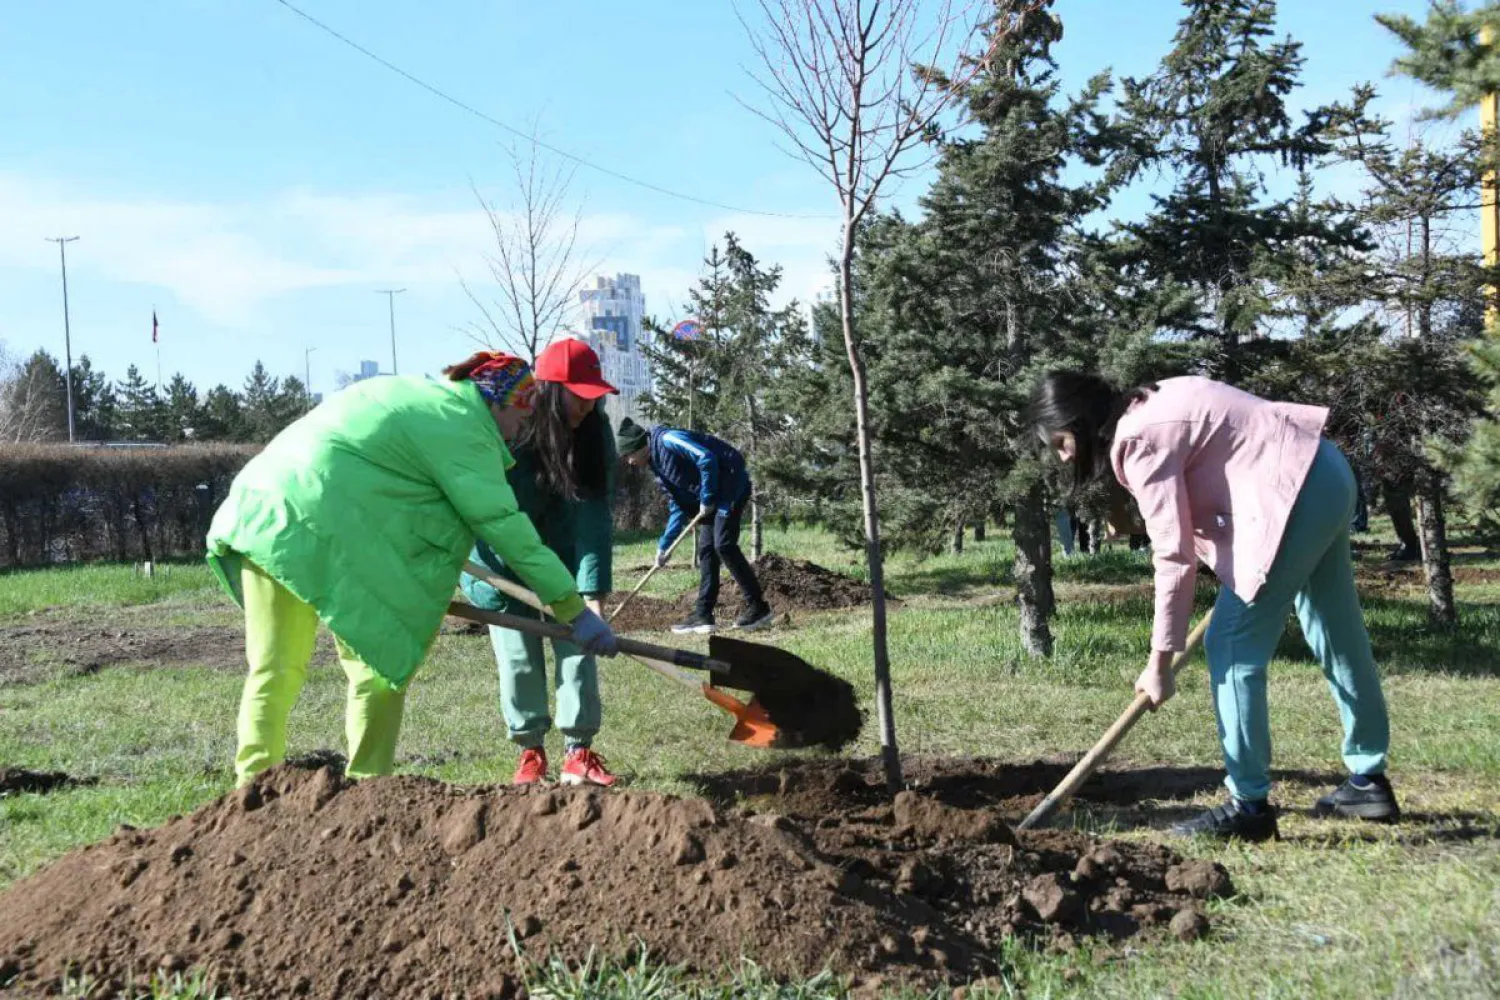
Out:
{"x": 652, "y": 571}
{"x": 512, "y": 589}
{"x": 1110, "y": 739}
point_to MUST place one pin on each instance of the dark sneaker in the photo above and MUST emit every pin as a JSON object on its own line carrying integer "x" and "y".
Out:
{"x": 695, "y": 624}
{"x": 1372, "y": 799}
{"x": 1232, "y": 820}
{"x": 1405, "y": 553}
{"x": 757, "y": 615}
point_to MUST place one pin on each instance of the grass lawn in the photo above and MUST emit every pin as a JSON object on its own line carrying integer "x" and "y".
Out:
{"x": 1334, "y": 910}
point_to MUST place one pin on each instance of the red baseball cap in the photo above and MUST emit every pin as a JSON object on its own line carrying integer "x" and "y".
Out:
{"x": 575, "y": 365}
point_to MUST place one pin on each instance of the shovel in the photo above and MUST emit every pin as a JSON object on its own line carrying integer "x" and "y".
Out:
{"x": 1109, "y": 740}
{"x": 752, "y": 726}
{"x": 652, "y": 571}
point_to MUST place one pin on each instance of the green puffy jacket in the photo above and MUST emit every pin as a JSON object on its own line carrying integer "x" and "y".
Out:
{"x": 581, "y": 532}
{"x": 367, "y": 507}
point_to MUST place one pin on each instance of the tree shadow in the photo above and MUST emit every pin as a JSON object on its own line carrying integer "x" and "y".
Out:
{"x": 1405, "y": 642}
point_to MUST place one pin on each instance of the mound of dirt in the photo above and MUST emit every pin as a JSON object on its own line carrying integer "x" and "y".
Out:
{"x": 789, "y": 585}
{"x": 306, "y": 885}
{"x": 19, "y": 779}
{"x": 797, "y": 583}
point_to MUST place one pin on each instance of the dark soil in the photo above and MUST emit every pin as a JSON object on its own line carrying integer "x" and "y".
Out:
{"x": 19, "y": 779}
{"x": 306, "y": 885}
{"x": 790, "y": 585}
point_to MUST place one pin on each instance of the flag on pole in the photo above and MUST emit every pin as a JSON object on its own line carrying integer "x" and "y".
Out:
{"x": 153, "y": 326}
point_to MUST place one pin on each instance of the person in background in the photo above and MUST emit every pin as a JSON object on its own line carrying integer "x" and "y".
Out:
{"x": 360, "y": 516}
{"x": 702, "y": 476}
{"x": 563, "y": 481}
{"x": 1252, "y": 489}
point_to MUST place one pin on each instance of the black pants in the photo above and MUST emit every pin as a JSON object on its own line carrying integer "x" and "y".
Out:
{"x": 718, "y": 542}
{"x": 1398, "y": 506}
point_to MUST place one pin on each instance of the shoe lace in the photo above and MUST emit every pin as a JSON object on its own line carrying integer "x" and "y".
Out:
{"x": 588, "y": 758}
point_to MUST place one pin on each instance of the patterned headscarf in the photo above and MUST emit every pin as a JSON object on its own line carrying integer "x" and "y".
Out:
{"x": 505, "y": 380}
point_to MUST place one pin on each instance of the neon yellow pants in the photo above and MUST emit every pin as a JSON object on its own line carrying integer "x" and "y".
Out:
{"x": 280, "y": 631}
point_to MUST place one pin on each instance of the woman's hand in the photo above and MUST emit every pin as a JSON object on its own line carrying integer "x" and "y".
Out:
{"x": 1157, "y": 682}
{"x": 594, "y": 605}
{"x": 593, "y": 635}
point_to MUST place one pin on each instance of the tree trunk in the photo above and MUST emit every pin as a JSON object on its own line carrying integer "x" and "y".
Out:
{"x": 1034, "y": 597}
{"x": 889, "y": 750}
{"x": 958, "y": 538}
{"x": 1437, "y": 562}
{"x": 979, "y": 529}
{"x": 757, "y": 531}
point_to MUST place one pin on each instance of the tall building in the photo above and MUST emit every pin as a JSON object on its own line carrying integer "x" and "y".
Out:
{"x": 368, "y": 369}
{"x": 613, "y": 311}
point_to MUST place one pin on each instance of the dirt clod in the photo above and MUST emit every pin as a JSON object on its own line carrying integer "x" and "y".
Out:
{"x": 1202, "y": 879}
{"x": 1189, "y": 925}
{"x": 1051, "y": 898}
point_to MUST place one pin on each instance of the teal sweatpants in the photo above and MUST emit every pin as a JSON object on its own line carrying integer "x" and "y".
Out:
{"x": 1314, "y": 573}
{"x": 523, "y": 687}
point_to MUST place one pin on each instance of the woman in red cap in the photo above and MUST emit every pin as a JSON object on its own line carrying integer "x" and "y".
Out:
{"x": 563, "y": 479}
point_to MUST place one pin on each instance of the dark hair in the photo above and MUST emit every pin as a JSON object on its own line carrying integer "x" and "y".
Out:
{"x": 1089, "y": 407}
{"x": 572, "y": 461}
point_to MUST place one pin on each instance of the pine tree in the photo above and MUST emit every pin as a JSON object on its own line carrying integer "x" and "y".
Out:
{"x": 220, "y": 418}
{"x": 1448, "y": 53}
{"x": 976, "y": 300}
{"x": 292, "y": 401}
{"x": 727, "y": 380}
{"x": 142, "y": 413}
{"x": 259, "y": 403}
{"x": 1426, "y": 291}
{"x": 1211, "y": 116}
{"x": 181, "y": 409}
{"x": 95, "y": 406}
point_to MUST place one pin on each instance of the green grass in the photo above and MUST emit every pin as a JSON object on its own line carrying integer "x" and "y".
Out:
{"x": 99, "y": 586}
{"x": 1335, "y": 910}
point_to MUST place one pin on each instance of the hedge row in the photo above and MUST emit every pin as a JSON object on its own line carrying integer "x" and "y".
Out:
{"x": 62, "y": 504}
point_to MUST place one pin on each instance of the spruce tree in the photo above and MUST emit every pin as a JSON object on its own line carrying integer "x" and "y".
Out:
{"x": 259, "y": 403}
{"x": 181, "y": 409}
{"x": 1212, "y": 116}
{"x": 975, "y": 301}
{"x": 221, "y": 417}
{"x": 142, "y": 414}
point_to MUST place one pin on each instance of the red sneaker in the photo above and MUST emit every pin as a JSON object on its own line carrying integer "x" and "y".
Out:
{"x": 533, "y": 767}
{"x": 584, "y": 767}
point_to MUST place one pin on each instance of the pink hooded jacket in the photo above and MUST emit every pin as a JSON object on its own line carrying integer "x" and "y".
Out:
{"x": 1215, "y": 472}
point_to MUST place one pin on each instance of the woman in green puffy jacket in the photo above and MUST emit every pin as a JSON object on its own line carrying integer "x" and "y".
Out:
{"x": 360, "y": 515}
{"x": 563, "y": 480}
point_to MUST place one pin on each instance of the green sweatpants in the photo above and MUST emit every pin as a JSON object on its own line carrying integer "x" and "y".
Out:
{"x": 280, "y": 631}
{"x": 523, "y": 687}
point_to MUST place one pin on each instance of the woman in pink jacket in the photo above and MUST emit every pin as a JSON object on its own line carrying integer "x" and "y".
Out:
{"x": 1253, "y": 490}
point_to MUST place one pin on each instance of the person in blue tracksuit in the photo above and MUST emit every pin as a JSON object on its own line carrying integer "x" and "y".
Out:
{"x": 701, "y": 475}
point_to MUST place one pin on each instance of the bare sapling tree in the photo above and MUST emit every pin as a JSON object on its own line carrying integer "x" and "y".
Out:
{"x": 858, "y": 88}
{"x": 536, "y": 263}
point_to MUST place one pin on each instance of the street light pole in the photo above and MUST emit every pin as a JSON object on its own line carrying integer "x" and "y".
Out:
{"x": 62, "y": 252}
{"x": 390, "y": 296}
{"x": 307, "y": 375}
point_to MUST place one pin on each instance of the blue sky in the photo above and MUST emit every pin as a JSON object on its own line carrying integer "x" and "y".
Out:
{"x": 255, "y": 182}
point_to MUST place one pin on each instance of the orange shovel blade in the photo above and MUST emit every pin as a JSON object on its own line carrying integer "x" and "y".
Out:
{"x": 752, "y": 727}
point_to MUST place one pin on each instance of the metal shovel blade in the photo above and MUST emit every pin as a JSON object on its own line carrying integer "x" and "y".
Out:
{"x": 808, "y": 706}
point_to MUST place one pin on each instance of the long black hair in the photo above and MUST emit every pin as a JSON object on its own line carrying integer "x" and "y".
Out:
{"x": 1088, "y": 406}
{"x": 571, "y": 461}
